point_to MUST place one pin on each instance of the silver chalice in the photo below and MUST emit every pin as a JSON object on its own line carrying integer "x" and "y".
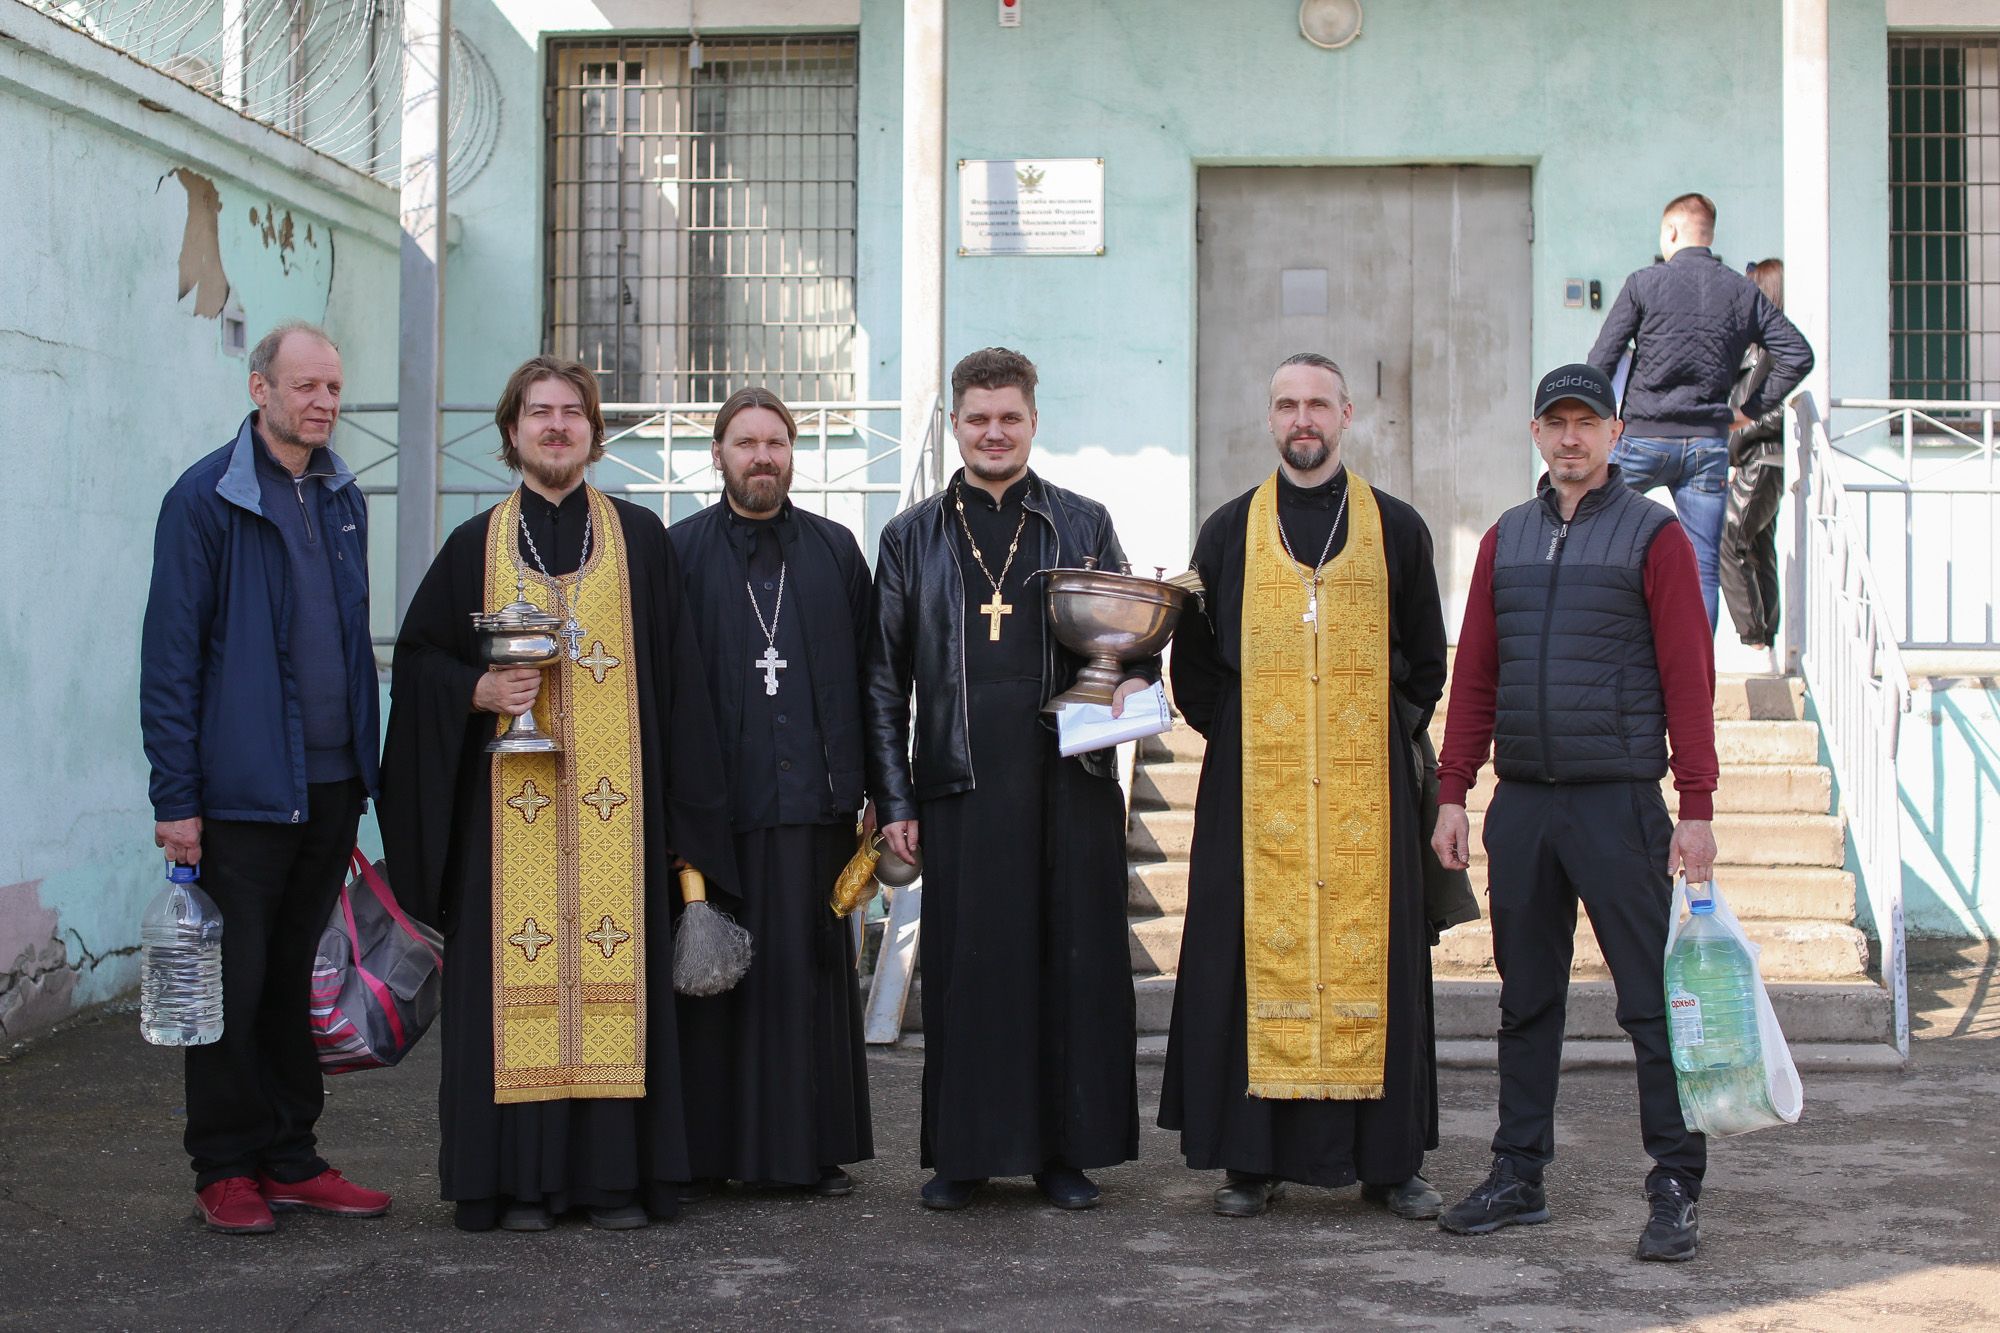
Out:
{"x": 1111, "y": 619}
{"x": 519, "y": 634}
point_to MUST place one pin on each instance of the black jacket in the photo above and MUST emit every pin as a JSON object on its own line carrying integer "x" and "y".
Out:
{"x": 916, "y": 640}
{"x": 1689, "y": 321}
{"x": 831, "y": 594}
{"x": 1764, "y": 438}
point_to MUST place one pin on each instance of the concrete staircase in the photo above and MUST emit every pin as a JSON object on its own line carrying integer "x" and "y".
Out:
{"x": 1782, "y": 867}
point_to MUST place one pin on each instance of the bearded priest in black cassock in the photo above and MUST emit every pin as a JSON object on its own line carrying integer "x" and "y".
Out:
{"x": 776, "y": 1073}
{"x": 1302, "y": 1045}
{"x": 553, "y": 875}
{"x": 1023, "y": 960}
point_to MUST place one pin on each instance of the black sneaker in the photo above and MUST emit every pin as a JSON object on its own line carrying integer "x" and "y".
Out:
{"x": 1673, "y": 1232}
{"x": 1504, "y": 1200}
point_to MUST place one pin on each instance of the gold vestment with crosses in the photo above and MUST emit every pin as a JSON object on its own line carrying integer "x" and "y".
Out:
{"x": 1316, "y": 817}
{"x": 569, "y": 857}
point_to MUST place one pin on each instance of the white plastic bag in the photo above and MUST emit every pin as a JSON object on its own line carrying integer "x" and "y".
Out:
{"x": 1736, "y": 1101}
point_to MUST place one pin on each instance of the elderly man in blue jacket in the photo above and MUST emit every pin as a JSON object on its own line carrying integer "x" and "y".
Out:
{"x": 1688, "y": 320}
{"x": 257, "y": 699}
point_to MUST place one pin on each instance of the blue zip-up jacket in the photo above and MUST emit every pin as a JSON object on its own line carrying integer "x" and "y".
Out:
{"x": 218, "y": 699}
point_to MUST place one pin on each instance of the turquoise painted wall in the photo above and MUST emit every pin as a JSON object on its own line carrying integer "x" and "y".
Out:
{"x": 114, "y": 386}
{"x": 1948, "y": 754}
{"x": 1615, "y": 107}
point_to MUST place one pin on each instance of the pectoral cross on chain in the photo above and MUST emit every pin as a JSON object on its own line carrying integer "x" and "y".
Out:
{"x": 771, "y": 664}
{"x": 1311, "y": 617}
{"x": 993, "y": 610}
{"x": 572, "y": 636}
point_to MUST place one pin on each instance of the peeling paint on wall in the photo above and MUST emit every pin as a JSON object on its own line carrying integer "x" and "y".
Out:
{"x": 201, "y": 245}
{"x": 38, "y": 975}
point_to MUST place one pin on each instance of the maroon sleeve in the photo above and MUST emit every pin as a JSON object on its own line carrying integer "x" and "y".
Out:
{"x": 1684, "y": 643}
{"x": 1475, "y": 677}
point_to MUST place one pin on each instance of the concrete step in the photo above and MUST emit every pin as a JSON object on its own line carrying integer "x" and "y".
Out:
{"x": 1183, "y": 742}
{"x": 1793, "y": 950}
{"x": 1469, "y": 1010}
{"x": 1805, "y": 789}
{"x": 1761, "y": 840}
{"x": 1755, "y": 893}
{"x": 1738, "y": 698}
{"x": 1159, "y": 835}
{"x": 1155, "y": 943}
{"x": 1855, "y": 1010}
{"x": 1166, "y": 784}
{"x": 1801, "y": 950}
{"x": 1740, "y": 742}
{"x": 1795, "y": 789}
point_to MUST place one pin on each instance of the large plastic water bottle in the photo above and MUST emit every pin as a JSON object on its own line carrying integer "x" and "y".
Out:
{"x": 1711, "y": 996}
{"x": 180, "y": 981}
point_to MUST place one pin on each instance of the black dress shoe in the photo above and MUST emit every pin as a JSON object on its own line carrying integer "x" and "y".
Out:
{"x": 1503, "y": 1199}
{"x": 1673, "y": 1232}
{"x": 625, "y": 1217}
{"x": 1067, "y": 1187}
{"x": 526, "y": 1217}
{"x": 832, "y": 1183}
{"x": 948, "y": 1195}
{"x": 1414, "y": 1198}
{"x": 694, "y": 1191}
{"x": 1246, "y": 1194}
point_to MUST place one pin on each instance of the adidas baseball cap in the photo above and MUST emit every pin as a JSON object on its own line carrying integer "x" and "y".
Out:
{"x": 1587, "y": 384}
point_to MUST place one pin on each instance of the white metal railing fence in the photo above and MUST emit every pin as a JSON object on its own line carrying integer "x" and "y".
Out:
{"x": 1840, "y": 629}
{"x": 1925, "y": 490}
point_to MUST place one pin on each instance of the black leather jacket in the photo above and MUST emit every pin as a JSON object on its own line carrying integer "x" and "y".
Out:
{"x": 916, "y": 639}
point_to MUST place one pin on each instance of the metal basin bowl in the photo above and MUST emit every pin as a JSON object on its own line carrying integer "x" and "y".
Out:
{"x": 1111, "y": 619}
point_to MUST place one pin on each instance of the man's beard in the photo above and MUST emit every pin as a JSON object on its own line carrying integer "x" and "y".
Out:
{"x": 552, "y": 476}
{"x": 1307, "y": 456}
{"x": 283, "y": 431}
{"x": 760, "y": 500}
{"x": 995, "y": 469}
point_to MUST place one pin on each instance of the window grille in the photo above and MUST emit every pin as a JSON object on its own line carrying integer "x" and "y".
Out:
{"x": 701, "y": 228}
{"x": 1944, "y": 230}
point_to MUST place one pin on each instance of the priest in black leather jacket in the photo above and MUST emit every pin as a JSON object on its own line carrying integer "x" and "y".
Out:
{"x": 1026, "y": 974}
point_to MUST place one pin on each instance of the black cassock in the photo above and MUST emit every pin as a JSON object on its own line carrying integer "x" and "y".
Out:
{"x": 1330, "y": 1143}
{"x": 437, "y": 834}
{"x": 1025, "y": 969}
{"x": 776, "y": 1072}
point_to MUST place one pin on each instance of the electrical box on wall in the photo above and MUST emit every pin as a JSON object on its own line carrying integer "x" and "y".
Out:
{"x": 1010, "y": 13}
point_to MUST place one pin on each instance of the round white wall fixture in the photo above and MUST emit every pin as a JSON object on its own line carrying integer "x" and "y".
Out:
{"x": 1331, "y": 24}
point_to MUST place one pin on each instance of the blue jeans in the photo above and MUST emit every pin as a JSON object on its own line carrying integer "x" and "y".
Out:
{"x": 1696, "y": 470}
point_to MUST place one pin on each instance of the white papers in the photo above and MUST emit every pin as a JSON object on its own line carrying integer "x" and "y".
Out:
{"x": 1082, "y": 727}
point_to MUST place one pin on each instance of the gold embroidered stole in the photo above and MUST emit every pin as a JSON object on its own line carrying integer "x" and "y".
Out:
{"x": 569, "y": 858}
{"x": 1316, "y": 809}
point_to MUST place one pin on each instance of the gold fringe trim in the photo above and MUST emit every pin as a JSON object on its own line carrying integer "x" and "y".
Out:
{"x": 1318, "y": 1092}
{"x": 1285, "y": 1009}
{"x": 564, "y": 1091}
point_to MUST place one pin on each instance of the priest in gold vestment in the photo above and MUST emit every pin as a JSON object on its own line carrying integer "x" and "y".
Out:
{"x": 553, "y": 875}
{"x": 1302, "y": 1047}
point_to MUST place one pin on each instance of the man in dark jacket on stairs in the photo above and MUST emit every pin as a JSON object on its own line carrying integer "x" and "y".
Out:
{"x": 1584, "y": 652}
{"x": 1688, "y": 321}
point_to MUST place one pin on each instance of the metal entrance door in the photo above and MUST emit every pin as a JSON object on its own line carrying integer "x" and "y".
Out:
{"x": 1416, "y": 280}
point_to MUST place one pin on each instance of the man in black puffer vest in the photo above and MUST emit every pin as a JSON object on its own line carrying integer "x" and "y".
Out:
{"x": 1688, "y": 321}
{"x": 1585, "y": 651}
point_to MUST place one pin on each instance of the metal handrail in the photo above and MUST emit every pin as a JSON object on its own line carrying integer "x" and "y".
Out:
{"x": 1842, "y": 639}
{"x": 1939, "y": 468}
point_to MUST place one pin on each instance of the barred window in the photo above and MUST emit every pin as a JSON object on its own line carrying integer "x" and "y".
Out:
{"x": 1944, "y": 230}
{"x": 701, "y": 230}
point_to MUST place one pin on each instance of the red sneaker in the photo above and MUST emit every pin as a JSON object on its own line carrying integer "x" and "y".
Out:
{"x": 324, "y": 1193}
{"x": 235, "y": 1207}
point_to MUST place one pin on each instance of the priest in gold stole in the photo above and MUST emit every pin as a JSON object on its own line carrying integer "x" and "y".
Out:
{"x": 1302, "y": 1044}
{"x": 553, "y": 875}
